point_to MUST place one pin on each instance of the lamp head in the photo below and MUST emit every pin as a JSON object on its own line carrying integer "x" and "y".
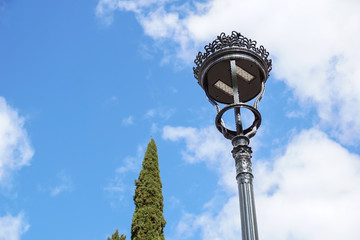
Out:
{"x": 214, "y": 74}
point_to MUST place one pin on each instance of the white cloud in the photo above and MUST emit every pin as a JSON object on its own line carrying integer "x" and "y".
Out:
{"x": 115, "y": 188}
{"x": 206, "y": 145}
{"x": 221, "y": 225}
{"x": 130, "y": 164}
{"x": 12, "y": 227}
{"x": 15, "y": 147}
{"x": 65, "y": 185}
{"x": 314, "y": 45}
{"x": 117, "y": 184}
{"x": 162, "y": 113}
{"x": 309, "y": 192}
{"x": 127, "y": 121}
{"x": 61, "y": 184}
{"x": 150, "y": 113}
{"x": 105, "y": 8}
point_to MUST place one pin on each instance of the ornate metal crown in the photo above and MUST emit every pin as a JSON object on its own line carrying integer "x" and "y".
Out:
{"x": 225, "y": 41}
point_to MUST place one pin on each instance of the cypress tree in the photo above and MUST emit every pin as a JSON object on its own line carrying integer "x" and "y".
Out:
{"x": 116, "y": 236}
{"x": 148, "y": 221}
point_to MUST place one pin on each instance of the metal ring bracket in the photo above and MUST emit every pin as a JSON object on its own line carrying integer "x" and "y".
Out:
{"x": 248, "y": 132}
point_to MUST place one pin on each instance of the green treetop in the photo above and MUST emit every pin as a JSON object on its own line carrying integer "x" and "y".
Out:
{"x": 148, "y": 221}
{"x": 116, "y": 236}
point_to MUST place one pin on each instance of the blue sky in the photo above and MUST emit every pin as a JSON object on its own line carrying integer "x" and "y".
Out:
{"x": 84, "y": 85}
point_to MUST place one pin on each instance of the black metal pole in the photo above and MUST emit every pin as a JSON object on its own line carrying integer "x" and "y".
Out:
{"x": 242, "y": 155}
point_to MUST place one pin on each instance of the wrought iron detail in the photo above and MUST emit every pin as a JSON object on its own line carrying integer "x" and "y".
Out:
{"x": 242, "y": 156}
{"x": 226, "y": 41}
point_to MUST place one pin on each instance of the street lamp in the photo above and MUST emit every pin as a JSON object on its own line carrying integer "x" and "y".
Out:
{"x": 233, "y": 71}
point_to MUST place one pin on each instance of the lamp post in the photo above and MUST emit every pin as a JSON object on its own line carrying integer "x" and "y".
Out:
{"x": 233, "y": 72}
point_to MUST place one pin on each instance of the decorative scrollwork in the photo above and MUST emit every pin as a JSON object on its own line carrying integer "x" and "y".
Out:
{"x": 225, "y": 41}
